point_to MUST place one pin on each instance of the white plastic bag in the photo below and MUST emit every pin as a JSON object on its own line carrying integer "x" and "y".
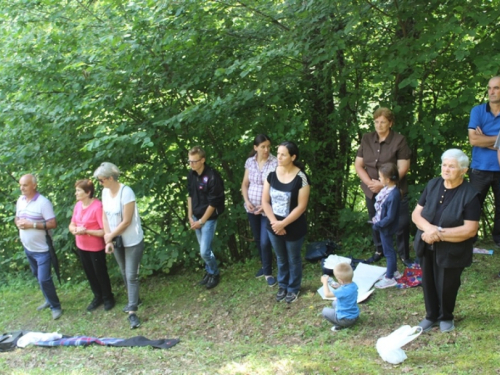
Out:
{"x": 389, "y": 347}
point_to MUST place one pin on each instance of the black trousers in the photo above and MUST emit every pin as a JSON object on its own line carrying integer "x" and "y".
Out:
{"x": 440, "y": 287}
{"x": 94, "y": 266}
{"x": 403, "y": 233}
{"x": 482, "y": 181}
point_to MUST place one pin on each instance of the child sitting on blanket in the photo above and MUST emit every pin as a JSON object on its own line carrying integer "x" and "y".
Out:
{"x": 344, "y": 311}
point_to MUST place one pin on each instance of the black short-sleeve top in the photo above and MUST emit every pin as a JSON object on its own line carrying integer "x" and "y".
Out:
{"x": 284, "y": 198}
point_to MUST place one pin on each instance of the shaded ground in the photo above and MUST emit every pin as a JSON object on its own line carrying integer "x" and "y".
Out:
{"x": 239, "y": 328}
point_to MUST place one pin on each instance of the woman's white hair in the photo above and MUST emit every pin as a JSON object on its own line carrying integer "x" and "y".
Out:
{"x": 460, "y": 156}
{"x": 107, "y": 170}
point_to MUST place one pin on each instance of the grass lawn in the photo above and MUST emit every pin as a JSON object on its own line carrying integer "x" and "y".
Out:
{"x": 238, "y": 328}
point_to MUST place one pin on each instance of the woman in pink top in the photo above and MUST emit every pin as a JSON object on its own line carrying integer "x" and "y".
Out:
{"x": 86, "y": 225}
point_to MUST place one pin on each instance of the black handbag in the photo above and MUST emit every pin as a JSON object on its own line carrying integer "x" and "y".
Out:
{"x": 8, "y": 341}
{"x": 316, "y": 251}
{"x": 419, "y": 244}
{"x": 118, "y": 242}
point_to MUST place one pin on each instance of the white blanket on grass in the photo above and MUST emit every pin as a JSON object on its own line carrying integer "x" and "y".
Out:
{"x": 32, "y": 337}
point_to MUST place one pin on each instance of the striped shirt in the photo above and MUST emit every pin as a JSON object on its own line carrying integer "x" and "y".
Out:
{"x": 38, "y": 209}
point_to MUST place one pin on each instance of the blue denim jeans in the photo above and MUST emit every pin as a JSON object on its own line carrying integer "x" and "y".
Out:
{"x": 389, "y": 253}
{"x": 40, "y": 266}
{"x": 258, "y": 224}
{"x": 289, "y": 257}
{"x": 205, "y": 236}
{"x": 482, "y": 181}
{"x": 129, "y": 259}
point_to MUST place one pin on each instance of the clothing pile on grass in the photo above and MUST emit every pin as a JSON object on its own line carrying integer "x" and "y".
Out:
{"x": 21, "y": 339}
{"x": 412, "y": 277}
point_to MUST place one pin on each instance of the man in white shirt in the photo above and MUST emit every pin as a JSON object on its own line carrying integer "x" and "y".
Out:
{"x": 35, "y": 214}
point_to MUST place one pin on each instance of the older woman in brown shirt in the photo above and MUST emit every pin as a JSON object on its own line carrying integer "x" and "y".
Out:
{"x": 384, "y": 145}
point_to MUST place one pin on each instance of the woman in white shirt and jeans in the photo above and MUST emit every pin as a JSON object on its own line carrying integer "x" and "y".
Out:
{"x": 121, "y": 218}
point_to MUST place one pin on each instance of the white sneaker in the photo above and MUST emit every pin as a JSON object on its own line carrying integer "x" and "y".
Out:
{"x": 386, "y": 283}
{"x": 397, "y": 275}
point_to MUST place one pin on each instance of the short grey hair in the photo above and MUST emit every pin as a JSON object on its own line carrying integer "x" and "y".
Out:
{"x": 460, "y": 156}
{"x": 32, "y": 176}
{"x": 107, "y": 170}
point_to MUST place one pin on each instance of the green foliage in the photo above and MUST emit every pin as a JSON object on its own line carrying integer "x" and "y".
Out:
{"x": 357, "y": 232}
{"x": 139, "y": 83}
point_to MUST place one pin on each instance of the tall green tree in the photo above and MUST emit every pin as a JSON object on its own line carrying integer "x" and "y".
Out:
{"x": 139, "y": 83}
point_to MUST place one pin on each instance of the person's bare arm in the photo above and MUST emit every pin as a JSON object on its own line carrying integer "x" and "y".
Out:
{"x": 326, "y": 290}
{"x": 430, "y": 231}
{"x": 403, "y": 167}
{"x": 268, "y": 210}
{"x": 29, "y": 224}
{"x": 373, "y": 184}
{"x": 76, "y": 230}
{"x": 208, "y": 213}
{"x": 109, "y": 245}
{"x": 244, "y": 191}
{"x": 461, "y": 233}
{"x": 359, "y": 166}
{"x": 478, "y": 139}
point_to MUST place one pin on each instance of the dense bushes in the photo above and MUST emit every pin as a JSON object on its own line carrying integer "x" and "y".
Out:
{"x": 139, "y": 83}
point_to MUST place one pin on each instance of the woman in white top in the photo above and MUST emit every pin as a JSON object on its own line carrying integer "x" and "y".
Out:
{"x": 257, "y": 167}
{"x": 121, "y": 219}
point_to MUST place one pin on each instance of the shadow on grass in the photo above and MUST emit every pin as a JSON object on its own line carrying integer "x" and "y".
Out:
{"x": 238, "y": 328}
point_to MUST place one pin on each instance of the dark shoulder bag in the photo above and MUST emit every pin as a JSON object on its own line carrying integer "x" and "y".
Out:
{"x": 316, "y": 251}
{"x": 8, "y": 341}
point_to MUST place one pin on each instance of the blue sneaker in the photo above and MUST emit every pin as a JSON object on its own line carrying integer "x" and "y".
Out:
{"x": 134, "y": 321}
{"x": 280, "y": 296}
{"x": 291, "y": 297}
{"x": 259, "y": 273}
{"x": 271, "y": 281}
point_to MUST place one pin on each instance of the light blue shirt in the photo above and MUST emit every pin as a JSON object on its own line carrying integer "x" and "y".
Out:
{"x": 347, "y": 301}
{"x": 484, "y": 159}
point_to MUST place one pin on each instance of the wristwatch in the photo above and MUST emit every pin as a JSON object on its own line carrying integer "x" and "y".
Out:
{"x": 201, "y": 222}
{"x": 440, "y": 229}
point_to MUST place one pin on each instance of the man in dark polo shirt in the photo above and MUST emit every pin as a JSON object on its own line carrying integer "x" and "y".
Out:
{"x": 384, "y": 145}
{"x": 205, "y": 204}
